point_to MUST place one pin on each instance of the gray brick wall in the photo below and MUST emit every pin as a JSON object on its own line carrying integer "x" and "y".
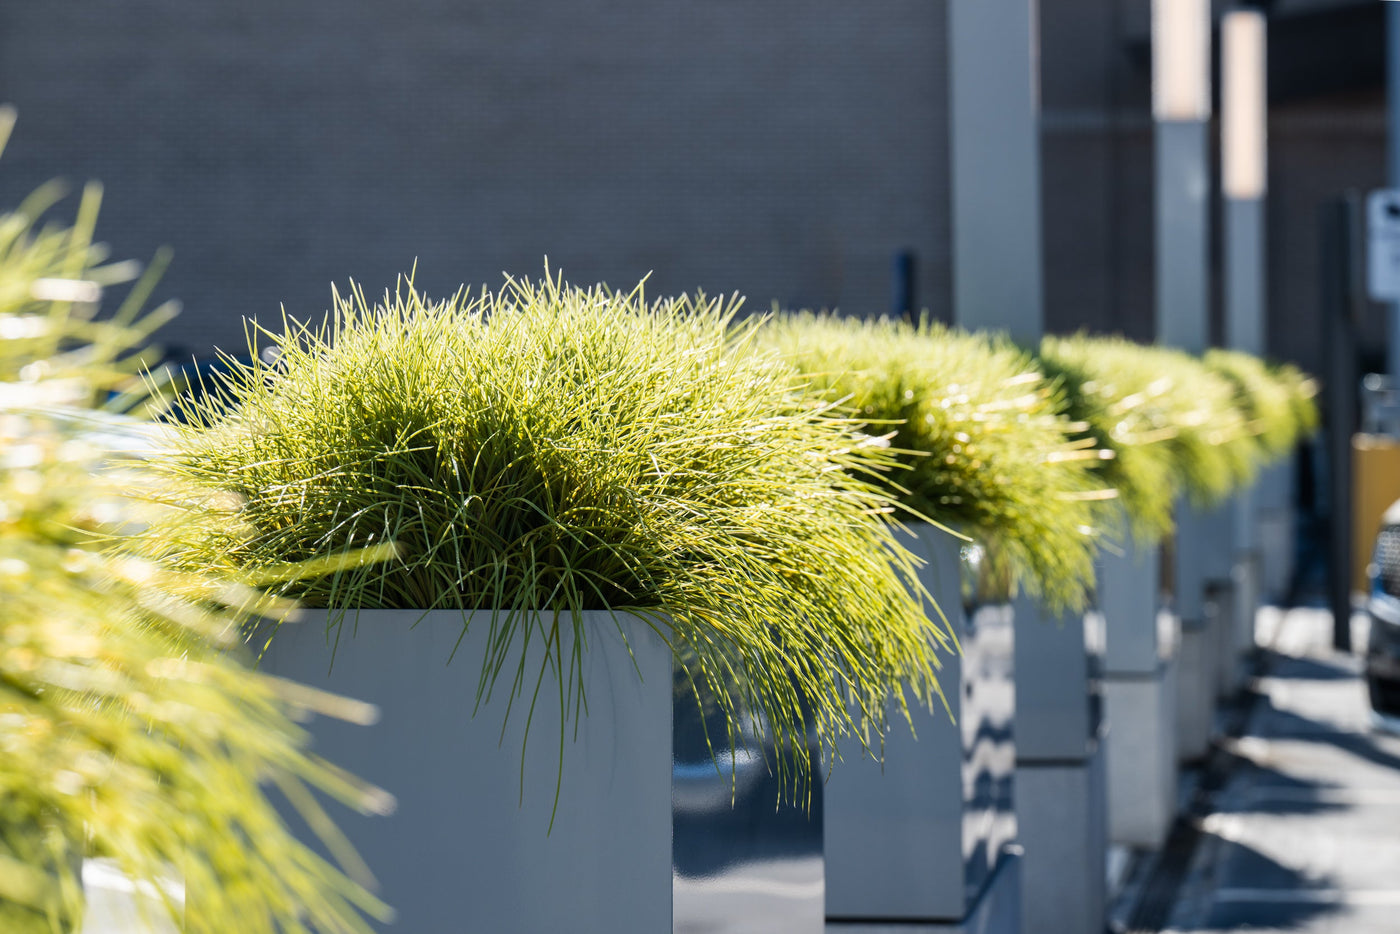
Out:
{"x": 783, "y": 149}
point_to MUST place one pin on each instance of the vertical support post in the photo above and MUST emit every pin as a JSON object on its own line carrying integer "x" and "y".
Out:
{"x": 1392, "y": 90}
{"x": 903, "y": 285}
{"x": 1244, "y": 183}
{"x": 1341, "y": 289}
{"x": 1181, "y": 109}
{"x": 993, "y": 50}
{"x": 1244, "y": 177}
{"x": 998, "y": 286}
{"x": 1181, "y": 36}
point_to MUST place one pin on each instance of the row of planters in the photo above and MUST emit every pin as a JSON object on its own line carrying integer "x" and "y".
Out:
{"x": 620, "y": 575}
{"x": 639, "y": 545}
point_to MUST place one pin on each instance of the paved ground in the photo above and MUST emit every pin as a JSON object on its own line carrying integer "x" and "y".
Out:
{"x": 1304, "y": 834}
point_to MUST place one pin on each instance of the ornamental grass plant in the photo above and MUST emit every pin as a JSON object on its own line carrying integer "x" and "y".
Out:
{"x": 978, "y": 432}
{"x": 129, "y": 728}
{"x": 1302, "y": 396}
{"x": 1174, "y": 425}
{"x": 543, "y": 450}
{"x": 1275, "y": 402}
{"x": 1120, "y": 405}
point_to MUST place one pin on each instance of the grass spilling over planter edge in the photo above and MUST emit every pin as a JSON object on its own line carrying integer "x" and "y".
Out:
{"x": 1275, "y": 403}
{"x": 978, "y": 432}
{"x": 1165, "y": 400}
{"x": 544, "y": 450}
{"x": 130, "y": 729}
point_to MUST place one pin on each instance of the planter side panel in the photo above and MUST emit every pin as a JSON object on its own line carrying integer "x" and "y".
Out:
{"x": 1129, "y": 586}
{"x": 1141, "y": 756}
{"x": 1053, "y": 687}
{"x": 462, "y": 852}
{"x": 917, "y": 839}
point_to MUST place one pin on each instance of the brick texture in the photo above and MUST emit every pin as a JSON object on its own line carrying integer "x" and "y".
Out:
{"x": 784, "y": 149}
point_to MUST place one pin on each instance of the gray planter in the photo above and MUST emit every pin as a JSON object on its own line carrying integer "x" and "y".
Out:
{"x": 925, "y": 838}
{"x": 1061, "y": 793}
{"x": 1197, "y": 679}
{"x": 1140, "y": 698}
{"x": 1275, "y": 530}
{"x": 1205, "y": 560}
{"x": 467, "y": 850}
{"x": 1207, "y": 656}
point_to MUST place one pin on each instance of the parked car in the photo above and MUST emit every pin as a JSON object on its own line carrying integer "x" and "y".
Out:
{"x": 1383, "y": 646}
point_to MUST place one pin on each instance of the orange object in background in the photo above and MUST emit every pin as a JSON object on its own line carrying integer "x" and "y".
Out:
{"x": 1375, "y": 475}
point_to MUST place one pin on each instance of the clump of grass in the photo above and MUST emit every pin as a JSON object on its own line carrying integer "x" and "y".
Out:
{"x": 1302, "y": 396}
{"x": 1264, "y": 401}
{"x": 1276, "y": 401}
{"x": 1121, "y": 405}
{"x": 129, "y": 729}
{"x": 978, "y": 431}
{"x": 1170, "y": 402}
{"x": 544, "y": 450}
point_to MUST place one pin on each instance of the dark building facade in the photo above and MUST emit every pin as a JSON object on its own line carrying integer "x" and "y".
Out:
{"x": 785, "y": 150}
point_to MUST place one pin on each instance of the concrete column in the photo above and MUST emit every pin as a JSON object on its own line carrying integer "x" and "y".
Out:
{"x": 1181, "y": 109}
{"x": 997, "y": 285}
{"x": 993, "y": 51}
{"x": 1244, "y": 134}
{"x": 1204, "y": 550}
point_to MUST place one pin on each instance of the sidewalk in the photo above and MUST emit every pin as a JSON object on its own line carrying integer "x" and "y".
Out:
{"x": 1297, "y": 818}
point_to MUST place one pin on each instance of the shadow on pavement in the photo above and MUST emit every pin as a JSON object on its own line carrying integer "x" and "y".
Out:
{"x": 1256, "y": 892}
{"x": 1292, "y": 667}
{"x": 1279, "y": 724}
{"x": 1261, "y": 789}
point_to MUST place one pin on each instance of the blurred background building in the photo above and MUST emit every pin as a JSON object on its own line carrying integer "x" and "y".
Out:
{"x": 794, "y": 152}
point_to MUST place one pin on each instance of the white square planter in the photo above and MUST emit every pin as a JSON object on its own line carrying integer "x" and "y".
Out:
{"x": 924, "y": 838}
{"x": 462, "y": 853}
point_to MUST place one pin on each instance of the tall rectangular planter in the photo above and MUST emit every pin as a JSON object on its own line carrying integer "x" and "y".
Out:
{"x": 1140, "y": 698}
{"x": 924, "y": 837}
{"x": 1061, "y": 795}
{"x": 470, "y": 848}
{"x": 1061, "y": 816}
{"x": 1276, "y": 539}
{"x": 1197, "y": 679}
